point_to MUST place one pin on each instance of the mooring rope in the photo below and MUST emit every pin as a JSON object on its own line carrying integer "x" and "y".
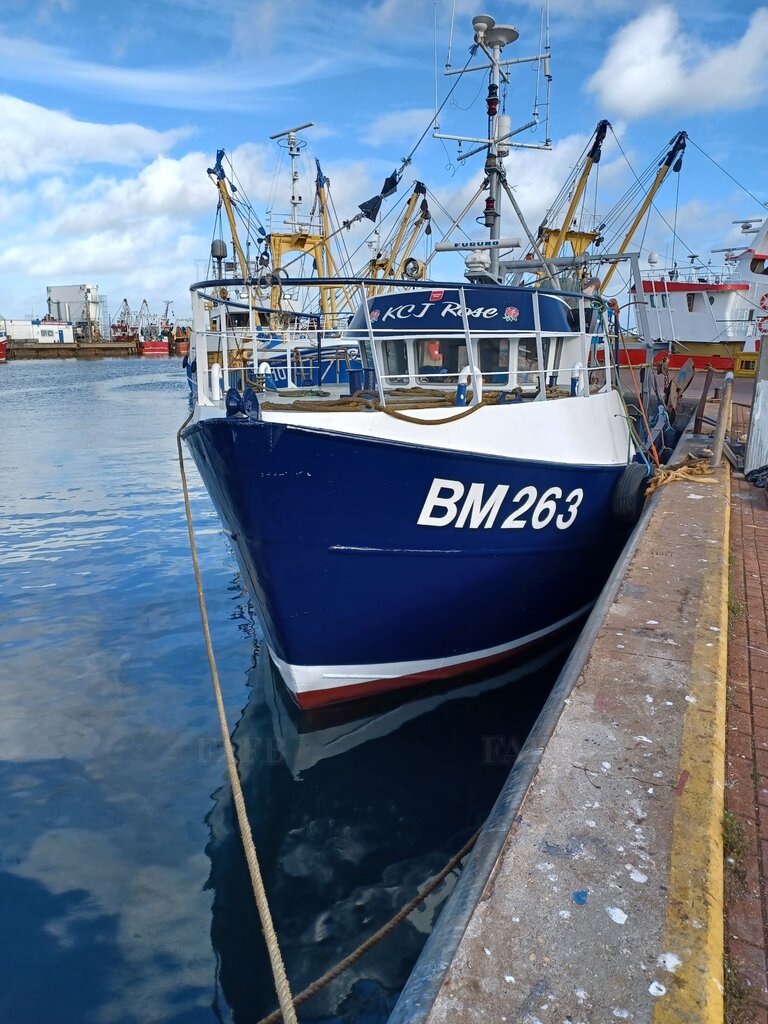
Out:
{"x": 692, "y": 467}
{"x": 287, "y": 1010}
{"x": 288, "y": 1004}
{"x": 362, "y": 949}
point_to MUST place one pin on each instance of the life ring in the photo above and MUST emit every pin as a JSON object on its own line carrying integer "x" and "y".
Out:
{"x": 762, "y": 325}
{"x": 433, "y": 350}
{"x": 764, "y": 301}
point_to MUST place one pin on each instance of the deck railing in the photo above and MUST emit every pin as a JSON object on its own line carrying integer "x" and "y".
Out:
{"x": 563, "y": 360}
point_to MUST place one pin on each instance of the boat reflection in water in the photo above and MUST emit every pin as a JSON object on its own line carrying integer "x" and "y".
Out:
{"x": 353, "y": 809}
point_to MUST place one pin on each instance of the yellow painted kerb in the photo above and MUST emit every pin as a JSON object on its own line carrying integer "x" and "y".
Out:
{"x": 694, "y": 927}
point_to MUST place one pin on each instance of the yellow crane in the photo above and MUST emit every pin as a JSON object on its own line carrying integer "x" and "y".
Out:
{"x": 673, "y": 160}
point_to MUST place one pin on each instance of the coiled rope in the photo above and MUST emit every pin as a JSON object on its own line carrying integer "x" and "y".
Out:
{"x": 282, "y": 987}
{"x": 370, "y": 401}
{"x": 693, "y": 467}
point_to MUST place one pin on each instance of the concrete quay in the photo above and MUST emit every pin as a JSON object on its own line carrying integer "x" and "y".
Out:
{"x": 596, "y": 891}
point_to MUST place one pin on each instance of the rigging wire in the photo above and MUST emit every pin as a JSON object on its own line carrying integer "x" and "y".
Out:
{"x": 272, "y": 196}
{"x": 674, "y": 229}
{"x": 437, "y": 202}
{"x": 762, "y": 202}
{"x": 538, "y": 62}
{"x": 594, "y": 199}
{"x": 342, "y": 241}
{"x": 407, "y": 159}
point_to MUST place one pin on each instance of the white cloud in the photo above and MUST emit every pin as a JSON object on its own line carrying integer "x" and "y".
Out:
{"x": 147, "y": 235}
{"x": 160, "y": 902}
{"x": 398, "y": 126}
{"x": 210, "y": 87}
{"x": 34, "y": 140}
{"x": 653, "y": 65}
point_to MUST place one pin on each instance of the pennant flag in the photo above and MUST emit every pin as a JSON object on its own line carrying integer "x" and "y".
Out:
{"x": 390, "y": 186}
{"x": 371, "y": 207}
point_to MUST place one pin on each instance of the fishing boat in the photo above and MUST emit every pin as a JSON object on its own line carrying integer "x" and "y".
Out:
{"x": 463, "y": 505}
{"x": 706, "y": 313}
{"x": 153, "y": 336}
{"x": 3, "y": 347}
{"x": 123, "y": 329}
{"x": 713, "y": 313}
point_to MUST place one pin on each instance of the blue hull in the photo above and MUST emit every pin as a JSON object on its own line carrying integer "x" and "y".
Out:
{"x": 326, "y": 527}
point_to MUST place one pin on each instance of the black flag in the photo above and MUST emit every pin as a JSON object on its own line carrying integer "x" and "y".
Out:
{"x": 390, "y": 186}
{"x": 370, "y": 208}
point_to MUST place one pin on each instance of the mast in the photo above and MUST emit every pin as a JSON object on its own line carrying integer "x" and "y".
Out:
{"x": 578, "y": 239}
{"x": 217, "y": 173}
{"x": 419, "y": 190}
{"x": 295, "y": 147}
{"x": 674, "y": 156}
{"x": 492, "y": 38}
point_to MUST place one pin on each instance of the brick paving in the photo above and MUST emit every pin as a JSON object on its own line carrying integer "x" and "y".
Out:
{"x": 746, "y": 923}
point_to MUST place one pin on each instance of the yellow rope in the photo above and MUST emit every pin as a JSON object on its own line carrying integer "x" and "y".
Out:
{"x": 428, "y": 423}
{"x": 278, "y": 969}
{"x": 367, "y": 400}
{"x": 693, "y": 467}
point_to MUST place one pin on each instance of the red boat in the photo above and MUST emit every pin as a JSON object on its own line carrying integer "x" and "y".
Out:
{"x": 3, "y": 348}
{"x": 153, "y": 346}
{"x": 639, "y": 357}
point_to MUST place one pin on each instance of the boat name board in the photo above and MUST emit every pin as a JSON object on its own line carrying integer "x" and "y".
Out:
{"x": 452, "y": 503}
{"x": 412, "y": 311}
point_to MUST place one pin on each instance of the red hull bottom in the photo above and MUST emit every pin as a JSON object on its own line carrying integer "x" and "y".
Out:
{"x": 313, "y": 699}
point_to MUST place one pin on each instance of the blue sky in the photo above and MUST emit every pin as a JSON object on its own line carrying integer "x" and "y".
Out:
{"x": 110, "y": 115}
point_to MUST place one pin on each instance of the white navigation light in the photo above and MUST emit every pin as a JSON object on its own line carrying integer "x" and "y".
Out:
{"x": 504, "y": 130}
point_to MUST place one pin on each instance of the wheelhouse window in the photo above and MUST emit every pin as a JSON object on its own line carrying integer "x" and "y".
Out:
{"x": 440, "y": 360}
{"x": 395, "y": 353}
{"x": 493, "y": 357}
{"x": 527, "y": 361}
{"x": 690, "y": 299}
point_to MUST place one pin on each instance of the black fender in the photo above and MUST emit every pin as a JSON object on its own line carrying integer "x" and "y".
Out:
{"x": 629, "y": 493}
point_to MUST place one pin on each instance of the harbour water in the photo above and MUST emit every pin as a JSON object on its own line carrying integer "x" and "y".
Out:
{"x": 123, "y": 888}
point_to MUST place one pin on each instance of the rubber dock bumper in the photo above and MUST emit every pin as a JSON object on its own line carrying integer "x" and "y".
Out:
{"x": 595, "y": 892}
